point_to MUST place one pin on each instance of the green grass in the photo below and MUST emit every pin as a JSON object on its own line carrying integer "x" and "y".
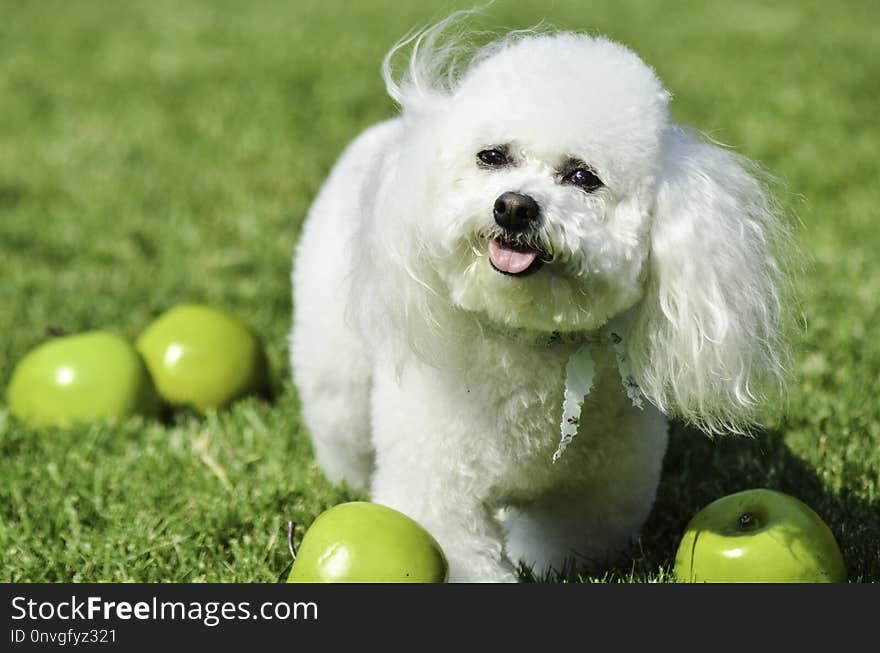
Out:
{"x": 160, "y": 152}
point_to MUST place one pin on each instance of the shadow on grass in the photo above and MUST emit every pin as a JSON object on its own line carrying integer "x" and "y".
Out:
{"x": 697, "y": 470}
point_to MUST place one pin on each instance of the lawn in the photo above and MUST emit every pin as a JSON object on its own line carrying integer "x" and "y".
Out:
{"x": 159, "y": 152}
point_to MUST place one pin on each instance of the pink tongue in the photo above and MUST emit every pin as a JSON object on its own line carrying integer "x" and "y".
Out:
{"x": 510, "y": 260}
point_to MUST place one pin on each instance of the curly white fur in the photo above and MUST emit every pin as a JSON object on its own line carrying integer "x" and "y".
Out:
{"x": 436, "y": 382}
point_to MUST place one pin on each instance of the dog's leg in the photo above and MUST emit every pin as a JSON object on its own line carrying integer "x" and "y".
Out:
{"x": 466, "y": 531}
{"x": 334, "y": 393}
{"x": 424, "y": 469}
{"x": 331, "y": 370}
{"x": 585, "y": 523}
{"x": 559, "y": 535}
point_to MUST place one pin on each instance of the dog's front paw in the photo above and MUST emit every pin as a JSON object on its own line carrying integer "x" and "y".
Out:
{"x": 481, "y": 570}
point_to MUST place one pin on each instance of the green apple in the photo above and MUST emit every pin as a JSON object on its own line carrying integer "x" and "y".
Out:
{"x": 361, "y": 542}
{"x": 92, "y": 376}
{"x": 758, "y": 536}
{"x": 203, "y": 357}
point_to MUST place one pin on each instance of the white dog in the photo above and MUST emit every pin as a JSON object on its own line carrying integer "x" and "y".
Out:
{"x": 509, "y": 268}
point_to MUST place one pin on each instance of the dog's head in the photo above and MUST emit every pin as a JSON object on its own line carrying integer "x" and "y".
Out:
{"x": 546, "y": 190}
{"x": 542, "y": 181}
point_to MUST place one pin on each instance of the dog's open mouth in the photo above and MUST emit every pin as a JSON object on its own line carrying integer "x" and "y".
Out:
{"x": 514, "y": 259}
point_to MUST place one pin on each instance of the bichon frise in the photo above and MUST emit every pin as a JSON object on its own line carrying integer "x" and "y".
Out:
{"x": 499, "y": 294}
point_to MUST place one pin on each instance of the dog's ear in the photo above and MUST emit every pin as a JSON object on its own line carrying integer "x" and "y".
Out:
{"x": 706, "y": 340}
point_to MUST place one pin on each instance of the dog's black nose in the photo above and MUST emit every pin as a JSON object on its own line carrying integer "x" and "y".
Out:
{"x": 516, "y": 212}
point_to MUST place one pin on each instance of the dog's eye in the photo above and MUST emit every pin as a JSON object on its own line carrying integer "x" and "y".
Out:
{"x": 493, "y": 158}
{"x": 583, "y": 178}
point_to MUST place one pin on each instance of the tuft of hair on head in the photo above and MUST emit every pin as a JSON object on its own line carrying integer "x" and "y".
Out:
{"x": 438, "y": 55}
{"x": 435, "y": 56}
